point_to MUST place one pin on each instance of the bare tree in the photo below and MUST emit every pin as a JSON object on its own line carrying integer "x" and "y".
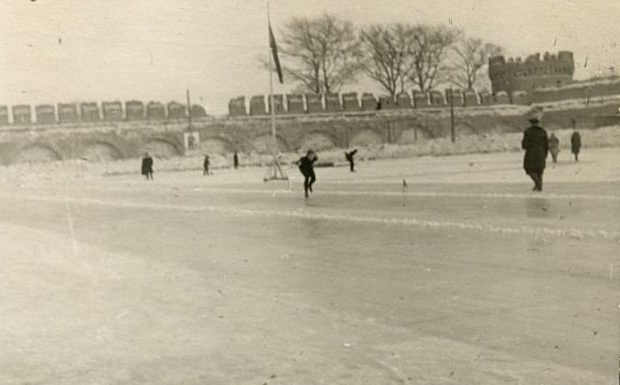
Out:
{"x": 385, "y": 54}
{"x": 470, "y": 56}
{"x": 428, "y": 47}
{"x": 321, "y": 54}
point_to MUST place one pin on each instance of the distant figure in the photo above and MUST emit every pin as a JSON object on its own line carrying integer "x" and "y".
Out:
{"x": 554, "y": 147}
{"x": 349, "y": 156}
{"x": 573, "y": 122}
{"x": 147, "y": 166}
{"x": 206, "y": 164}
{"x": 306, "y": 166}
{"x": 575, "y": 145}
{"x": 236, "y": 160}
{"x": 536, "y": 146}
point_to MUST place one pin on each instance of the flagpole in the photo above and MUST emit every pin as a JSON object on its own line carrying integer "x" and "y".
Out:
{"x": 275, "y": 171}
{"x": 271, "y": 101}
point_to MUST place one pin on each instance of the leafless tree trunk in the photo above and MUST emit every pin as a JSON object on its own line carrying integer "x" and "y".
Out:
{"x": 470, "y": 55}
{"x": 321, "y": 54}
{"x": 428, "y": 46}
{"x": 385, "y": 55}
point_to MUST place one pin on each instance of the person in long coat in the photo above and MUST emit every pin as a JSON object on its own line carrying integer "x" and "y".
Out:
{"x": 554, "y": 147}
{"x": 536, "y": 146}
{"x": 236, "y": 160}
{"x": 147, "y": 166}
{"x": 306, "y": 166}
{"x": 575, "y": 145}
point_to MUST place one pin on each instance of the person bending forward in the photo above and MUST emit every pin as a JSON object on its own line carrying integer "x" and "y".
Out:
{"x": 306, "y": 166}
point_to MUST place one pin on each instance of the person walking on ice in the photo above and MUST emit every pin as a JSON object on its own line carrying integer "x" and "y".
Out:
{"x": 147, "y": 166}
{"x": 205, "y": 165}
{"x": 575, "y": 144}
{"x": 554, "y": 147}
{"x": 349, "y": 156}
{"x": 236, "y": 160}
{"x": 536, "y": 146}
{"x": 306, "y": 166}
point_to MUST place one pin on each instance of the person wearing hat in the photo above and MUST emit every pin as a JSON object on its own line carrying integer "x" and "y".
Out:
{"x": 536, "y": 145}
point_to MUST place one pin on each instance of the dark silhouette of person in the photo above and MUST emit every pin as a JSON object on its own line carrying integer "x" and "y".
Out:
{"x": 536, "y": 146}
{"x": 575, "y": 145}
{"x": 349, "y": 156}
{"x": 205, "y": 165}
{"x": 236, "y": 160}
{"x": 554, "y": 147}
{"x": 147, "y": 166}
{"x": 306, "y": 166}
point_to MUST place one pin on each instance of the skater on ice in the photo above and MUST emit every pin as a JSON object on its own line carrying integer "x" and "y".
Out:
{"x": 147, "y": 166}
{"x": 349, "y": 156}
{"x": 536, "y": 146}
{"x": 306, "y": 166}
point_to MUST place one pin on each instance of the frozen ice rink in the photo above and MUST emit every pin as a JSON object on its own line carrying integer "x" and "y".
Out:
{"x": 465, "y": 277}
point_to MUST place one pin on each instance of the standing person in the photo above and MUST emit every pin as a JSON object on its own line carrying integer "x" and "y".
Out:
{"x": 349, "y": 156}
{"x": 306, "y": 166}
{"x": 205, "y": 165}
{"x": 147, "y": 166}
{"x": 554, "y": 147}
{"x": 575, "y": 144}
{"x": 536, "y": 146}
{"x": 236, "y": 160}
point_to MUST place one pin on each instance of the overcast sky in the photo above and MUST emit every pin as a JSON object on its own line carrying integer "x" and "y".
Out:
{"x": 77, "y": 50}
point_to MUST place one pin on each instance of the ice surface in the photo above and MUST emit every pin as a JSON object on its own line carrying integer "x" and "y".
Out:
{"x": 467, "y": 277}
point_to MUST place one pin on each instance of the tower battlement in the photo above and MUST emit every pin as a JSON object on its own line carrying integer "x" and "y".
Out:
{"x": 531, "y": 72}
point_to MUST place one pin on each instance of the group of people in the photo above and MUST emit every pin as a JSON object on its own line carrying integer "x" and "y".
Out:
{"x": 147, "y": 165}
{"x": 207, "y": 162}
{"x": 575, "y": 146}
{"x": 305, "y": 163}
{"x": 538, "y": 145}
{"x": 306, "y": 166}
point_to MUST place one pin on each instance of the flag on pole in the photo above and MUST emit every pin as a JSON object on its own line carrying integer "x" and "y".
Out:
{"x": 274, "y": 51}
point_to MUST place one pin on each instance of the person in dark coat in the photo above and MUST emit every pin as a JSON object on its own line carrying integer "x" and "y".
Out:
{"x": 306, "y": 166}
{"x": 575, "y": 144}
{"x": 147, "y": 166}
{"x": 349, "y": 156}
{"x": 205, "y": 165}
{"x": 554, "y": 147}
{"x": 236, "y": 160}
{"x": 536, "y": 146}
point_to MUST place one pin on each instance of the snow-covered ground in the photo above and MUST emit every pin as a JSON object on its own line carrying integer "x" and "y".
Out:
{"x": 464, "y": 276}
